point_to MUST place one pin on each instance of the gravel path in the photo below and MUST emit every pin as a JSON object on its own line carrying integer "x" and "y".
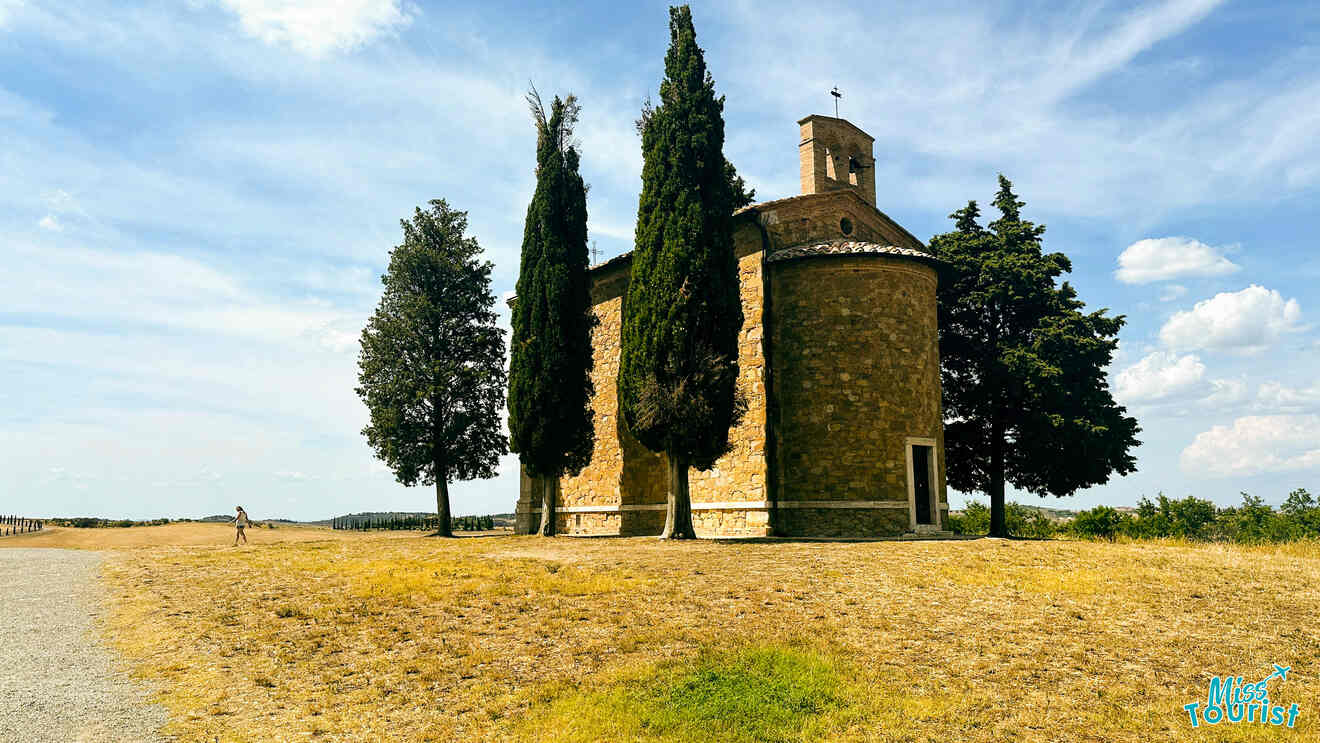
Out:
{"x": 57, "y": 683}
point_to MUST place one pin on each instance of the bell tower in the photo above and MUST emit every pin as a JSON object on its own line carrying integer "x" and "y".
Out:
{"x": 835, "y": 155}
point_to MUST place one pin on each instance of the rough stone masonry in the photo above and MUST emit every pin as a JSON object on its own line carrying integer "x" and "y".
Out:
{"x": 838, "y": 361}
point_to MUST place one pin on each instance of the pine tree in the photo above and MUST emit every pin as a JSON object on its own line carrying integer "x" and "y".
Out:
{"x": 1022, "y": 367}
{"x": 550, "y": 389}
{"x": 431, "y": 366}
{"x": 682, "y": 313}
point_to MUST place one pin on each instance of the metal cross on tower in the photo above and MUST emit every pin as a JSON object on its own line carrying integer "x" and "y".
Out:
{"x": 837, "y": 95}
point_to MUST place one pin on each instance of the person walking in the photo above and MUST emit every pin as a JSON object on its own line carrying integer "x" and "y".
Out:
{"x": 240, "y": 522}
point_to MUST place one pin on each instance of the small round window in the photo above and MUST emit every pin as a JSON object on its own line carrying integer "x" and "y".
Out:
{"x": 845, "y": 226}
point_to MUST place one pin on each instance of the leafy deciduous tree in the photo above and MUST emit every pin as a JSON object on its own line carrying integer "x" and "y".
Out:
{"x": 431, "y": 365}
{"x": 1023, "y": 368}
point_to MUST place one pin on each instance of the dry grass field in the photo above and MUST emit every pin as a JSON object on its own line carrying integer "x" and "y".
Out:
{"x": 173, "y": 535}
{"x": 316, "y": 635}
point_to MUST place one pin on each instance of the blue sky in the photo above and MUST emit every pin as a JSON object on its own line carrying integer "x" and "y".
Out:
{"x": 197, "y": 199}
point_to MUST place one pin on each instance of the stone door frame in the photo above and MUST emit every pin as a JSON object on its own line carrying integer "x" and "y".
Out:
{"x": 933, "y": 465}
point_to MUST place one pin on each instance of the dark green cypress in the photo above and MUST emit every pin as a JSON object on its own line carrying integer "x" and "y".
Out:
{"x": 550, "y": 390}
{"x": 1023, "y": 367}
{"x": 682, "y": 314}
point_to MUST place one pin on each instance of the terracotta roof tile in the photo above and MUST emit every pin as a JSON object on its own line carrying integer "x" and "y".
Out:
{"x": 847, "y": 247}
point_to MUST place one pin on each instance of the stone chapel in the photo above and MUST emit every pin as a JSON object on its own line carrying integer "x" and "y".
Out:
{"x": 838, "y": 360}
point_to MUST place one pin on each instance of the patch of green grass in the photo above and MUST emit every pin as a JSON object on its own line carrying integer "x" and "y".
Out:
{"x": 751, "y": 695}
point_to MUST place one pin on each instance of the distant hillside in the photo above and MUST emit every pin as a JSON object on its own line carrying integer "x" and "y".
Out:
{"x": 1057, "y": 514}
{"x": 1053, "y": 514}
{"x": 223, "y": 518}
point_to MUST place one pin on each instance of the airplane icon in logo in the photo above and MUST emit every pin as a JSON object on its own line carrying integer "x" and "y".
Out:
{"x": 1280, "y": 671}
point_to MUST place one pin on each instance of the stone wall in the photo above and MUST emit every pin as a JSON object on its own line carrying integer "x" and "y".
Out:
{"x": 599, "y": 483}
{"x": 740, "y": 475}
{"x": 819, "y": 217}
{"x": 841, "y": 522}
{"x": 856, "y": 373}
{"x": 622, "y": 472}
{"x": 627, "y": 481}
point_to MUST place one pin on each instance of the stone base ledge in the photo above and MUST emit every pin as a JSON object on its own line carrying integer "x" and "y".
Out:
{"x": 735, "y": 506}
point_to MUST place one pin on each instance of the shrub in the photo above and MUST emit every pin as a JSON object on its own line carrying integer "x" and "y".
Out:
{"x": 1032, "y": 524}
{"x": 1020, "y": 520}
{"x": 1253, "y": 522}
{"x": 1189, "y": 518}
{"x": 1101, "y": 522}
{"x": 1302, "y": 512}
{"x": 974, "y": 519}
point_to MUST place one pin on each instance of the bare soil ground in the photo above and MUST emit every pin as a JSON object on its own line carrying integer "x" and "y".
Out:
{"x": 313, "y": 634}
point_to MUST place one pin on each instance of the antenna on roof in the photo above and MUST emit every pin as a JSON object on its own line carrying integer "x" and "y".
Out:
{"x": 594, "y": 259}
{"x": 837, "y": 95}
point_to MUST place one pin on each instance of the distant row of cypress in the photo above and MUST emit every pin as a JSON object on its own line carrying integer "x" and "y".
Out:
{"x": 10, "y": 525}
{"x": 411, "y": 523}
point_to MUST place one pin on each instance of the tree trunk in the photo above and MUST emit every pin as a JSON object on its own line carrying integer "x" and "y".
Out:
{"x": 678, "y": 511}
{"x": 548, "y": 516}
{"x": 997, "y": 525}
{"x": 443, "y": 528}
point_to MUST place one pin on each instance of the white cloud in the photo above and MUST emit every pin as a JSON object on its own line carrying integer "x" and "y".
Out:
{"x": 1255, "y": 444}
{"x": 1226, "y": 392}
{"x": 1246, "y": 321}
{"x": 1158, "y": 376}
{"x": 166, "y": 292}
{"x": 1134, "y": 164}
{"x": 315, "y": 27}
{"x": 1081, "y": 62}
{"x": 294, "y": 475}
{"x": 338, "y": 340}
{"x": 49, "y": 222}
{"x": 1279, "y": 397}
{"x": 1172, "y": 292}
{"x": 1120, "y": 355}
{"x": 1164, "y": 258}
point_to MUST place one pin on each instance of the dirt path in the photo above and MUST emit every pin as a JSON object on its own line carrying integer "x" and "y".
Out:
{"x": 57, "y": 683}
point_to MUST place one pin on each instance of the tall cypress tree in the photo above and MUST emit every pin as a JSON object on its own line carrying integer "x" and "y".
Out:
{"x": 550, "y": 417}
{"x": 1022, "y": 366}
{"x": 682, "y": 313}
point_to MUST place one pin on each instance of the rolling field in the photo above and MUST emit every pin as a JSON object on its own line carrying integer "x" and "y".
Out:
{"x": 193, "y": 534}
{"x": 309, "y": 634}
